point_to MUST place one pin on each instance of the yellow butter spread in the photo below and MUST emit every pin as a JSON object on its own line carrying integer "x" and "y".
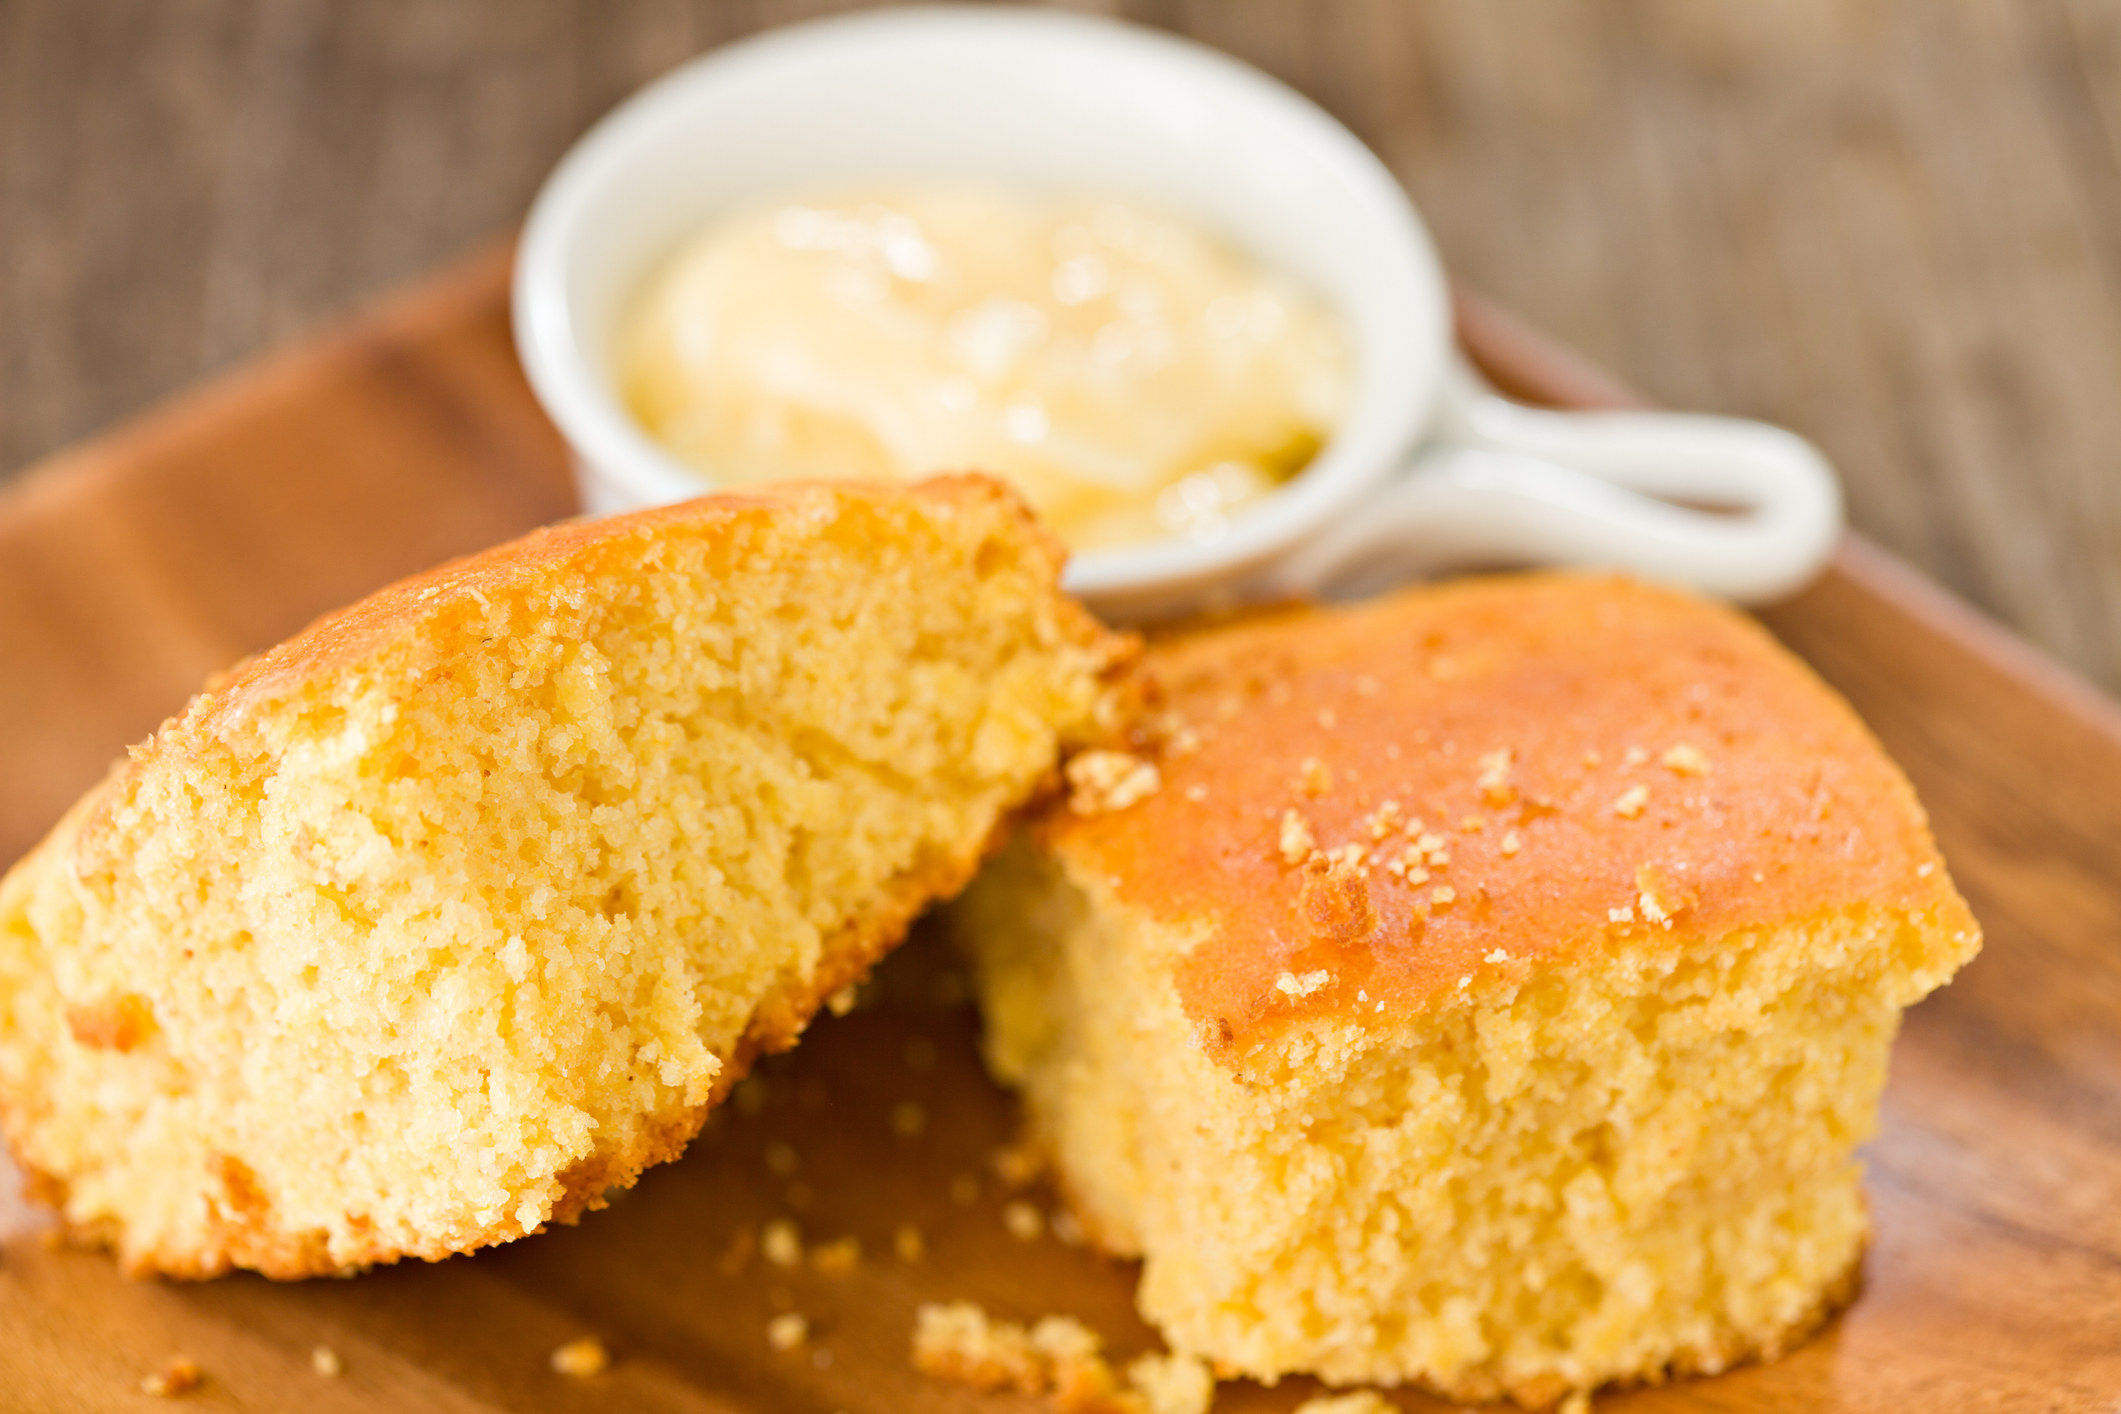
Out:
{"x": 1134, "y": 376}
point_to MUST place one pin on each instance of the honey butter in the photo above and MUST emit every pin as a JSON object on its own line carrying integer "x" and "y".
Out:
{"x": 1134, "y": 376}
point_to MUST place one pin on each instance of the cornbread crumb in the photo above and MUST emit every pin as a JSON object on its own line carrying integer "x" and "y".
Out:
{"x": 1025, "y": 1222}
{"x": 580, "y": 1359}
{"x": 326, "y": 1362}
{"x": 1291, "y": 985}
{"x": 1173, "y": 734}
{"x": 1074, "y": 1357}
{"x": 1577, "y": 1401}
{"x": 1067, "y": 1228}
{"x": 1511, "y": 844}
{"x": 1631, "y": 801}
{"x": 1409, "y": 866}
{"x": 1625, "y": 914}
{"x": 1196, "y": 793}
{"x": 959, "y": 1341}
{"x": 1686, "y": 760}
{"x": 1168, "y": 1383}
{"x": 1347, "y": 856}
{"x": 839, "y": 1256}
{"x": 787, "y": 1331}
{"x": 908, "y": 1243}
{"x": 1494, "y": 780}
{"x": 1058, "y": 1356}
{"x": 1635, "y": 756}
{"x": 179, "y": 1376}
{"x": 1297, "y": 841}
{"x": 1443, "y": 894}
{"x": 841, "y": 1002}
{"x": 1100, "y": 782}
{"x": 1313, "y": 777}
{"x": 1659, "y": 897}
{"x": 1334, "y": 901}
{"x": 781, "y": 1242}
{"x": 1362, "y": 1401}
{"x": 1431, "y": 849}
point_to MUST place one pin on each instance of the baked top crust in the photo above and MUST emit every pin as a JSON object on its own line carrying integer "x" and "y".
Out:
{"x": 454, "y": 595}
{"x": 421, "y": 621}
{"x": 1361, "y": 807}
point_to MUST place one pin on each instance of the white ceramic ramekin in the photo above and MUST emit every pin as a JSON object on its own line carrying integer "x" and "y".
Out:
{"x": 1426, "y": 471}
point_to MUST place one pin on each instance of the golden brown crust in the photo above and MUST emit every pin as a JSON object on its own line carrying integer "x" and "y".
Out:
{"x": 1586, "y": 758}
{"x": 577, "y": 546}
{"x": 448, "y": 601}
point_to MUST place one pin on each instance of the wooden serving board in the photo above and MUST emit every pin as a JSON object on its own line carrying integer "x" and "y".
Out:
{"x": 132, "y": 567}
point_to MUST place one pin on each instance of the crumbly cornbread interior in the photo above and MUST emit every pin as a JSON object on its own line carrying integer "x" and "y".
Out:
{"x": 1641, "y": 1164}
{"x": 1491, "y": 995}
{"x": 463, "y": 907}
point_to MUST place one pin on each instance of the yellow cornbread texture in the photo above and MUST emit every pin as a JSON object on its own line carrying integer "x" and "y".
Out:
{"x": 1491, "y": 996}
{"x": 429, "y": 926}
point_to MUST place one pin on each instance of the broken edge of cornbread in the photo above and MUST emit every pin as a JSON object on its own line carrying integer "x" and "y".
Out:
{"x": 429, "y": 926}
{"x": 1491, "y": 995}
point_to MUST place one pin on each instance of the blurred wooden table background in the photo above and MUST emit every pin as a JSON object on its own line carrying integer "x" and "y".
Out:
{"x": 1894, "y": 225}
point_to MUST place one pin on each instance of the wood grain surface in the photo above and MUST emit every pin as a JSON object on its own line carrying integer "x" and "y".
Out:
{"x": 1892, "y": 224}
{"x": 134, "y": 566}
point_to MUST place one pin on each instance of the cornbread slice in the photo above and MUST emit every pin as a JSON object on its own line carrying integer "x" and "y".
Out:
{"x": 1491, "y": 995}
{"x": 465, "y": 904}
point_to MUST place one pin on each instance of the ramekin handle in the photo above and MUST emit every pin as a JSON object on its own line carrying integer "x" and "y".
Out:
{"x": 1730, "y": 507}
